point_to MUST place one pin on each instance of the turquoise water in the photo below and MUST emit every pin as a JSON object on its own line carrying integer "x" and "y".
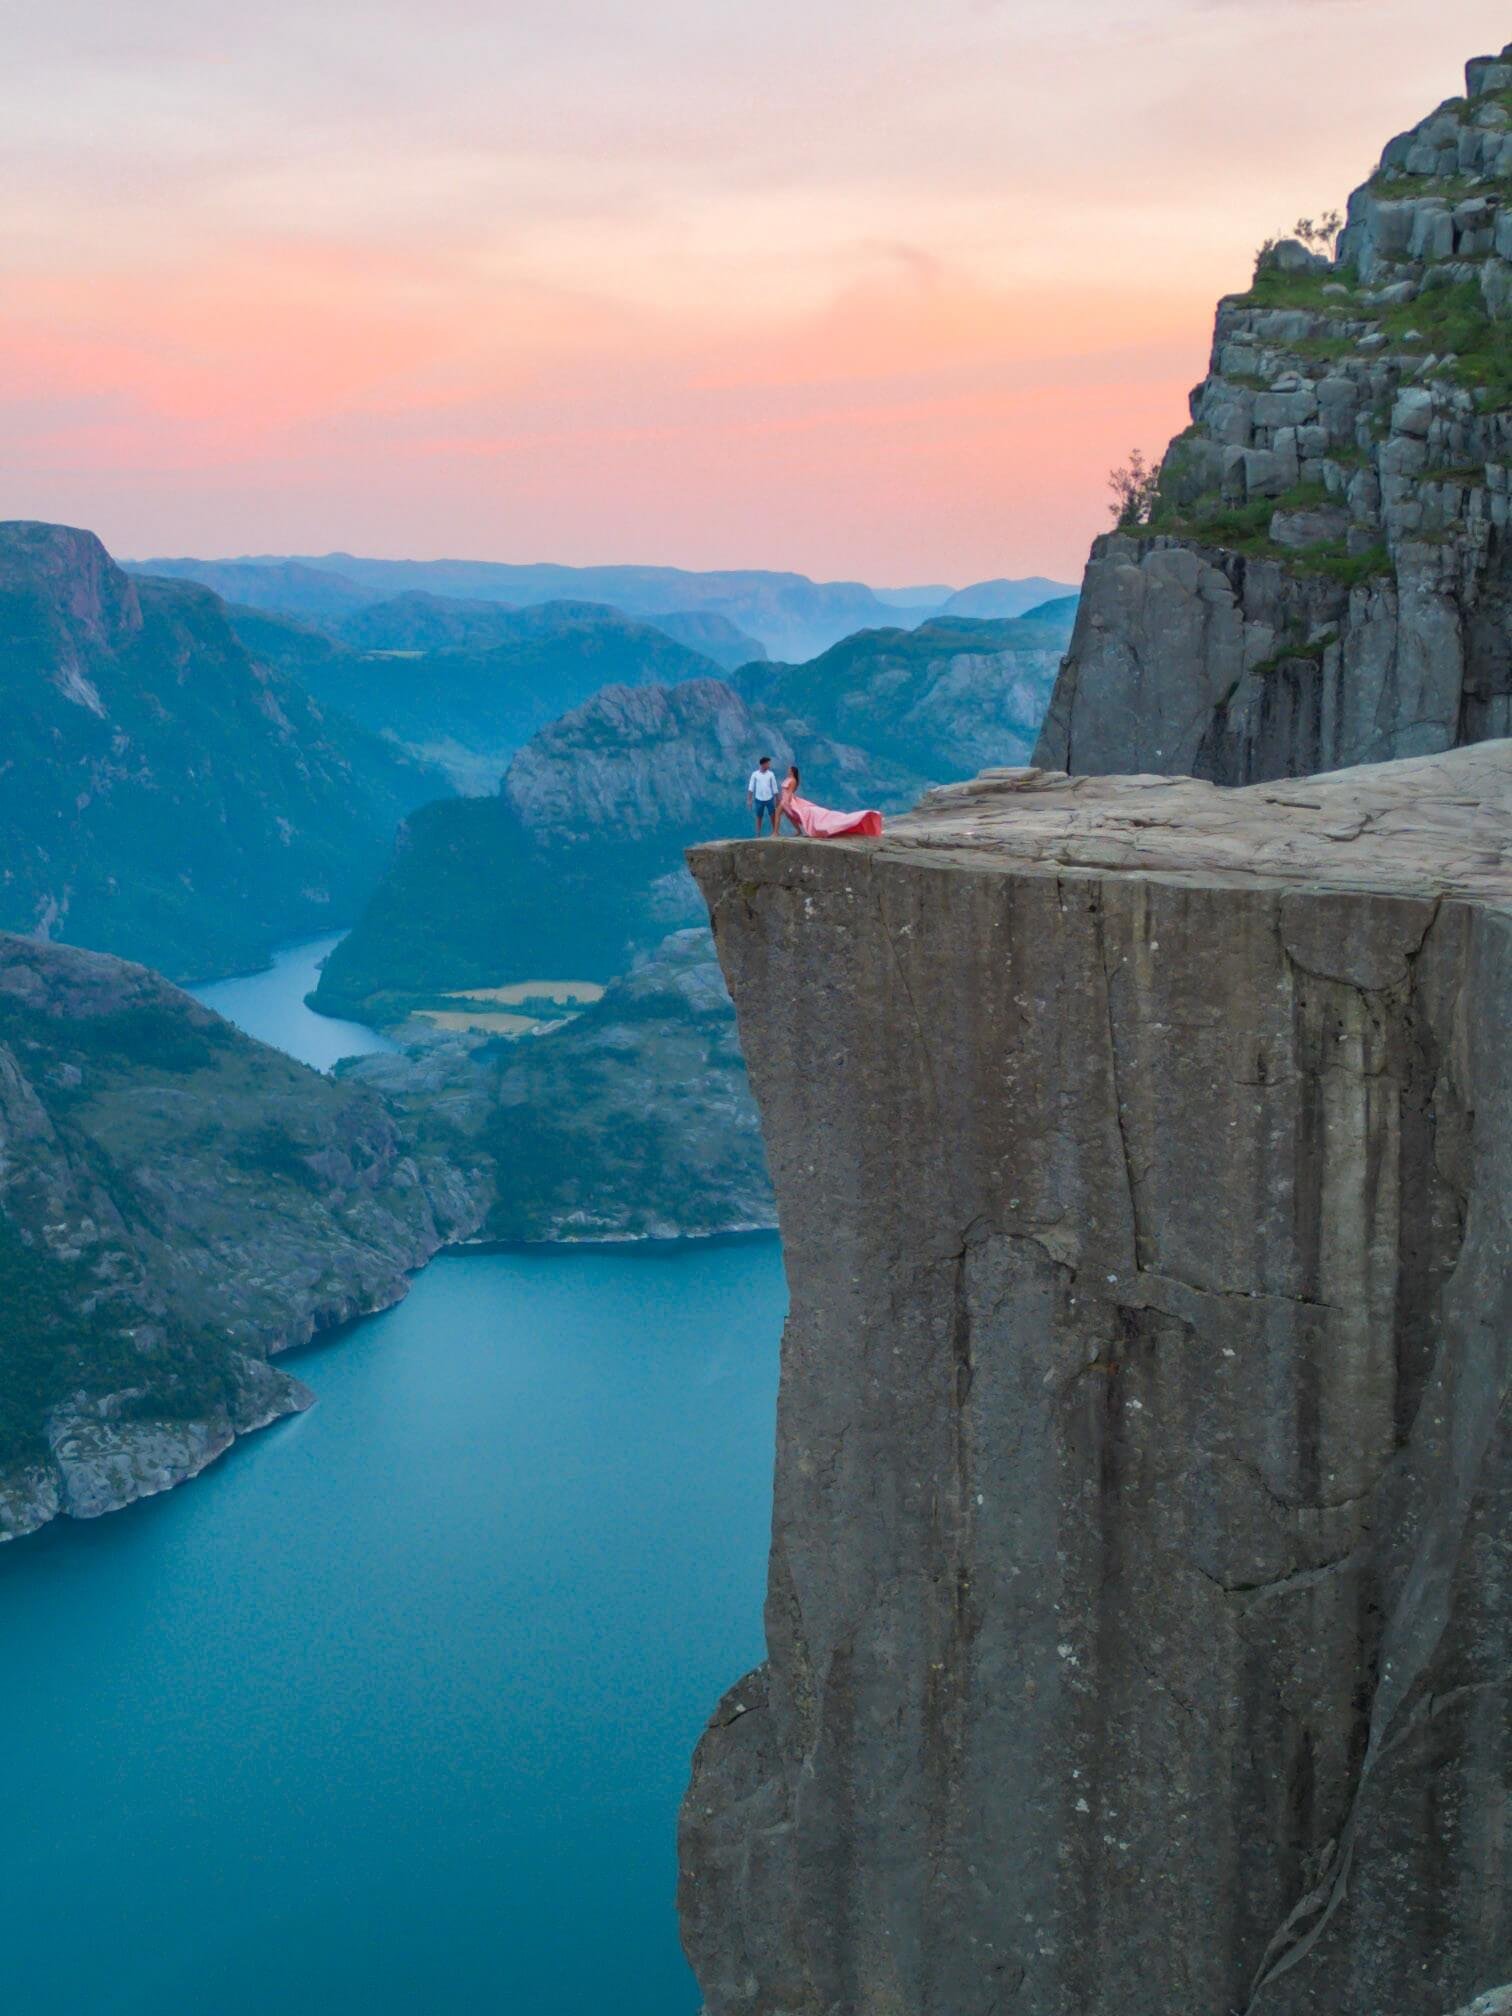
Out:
{"x": 389, "y": 1713}
{"x": 271, "y": 1007}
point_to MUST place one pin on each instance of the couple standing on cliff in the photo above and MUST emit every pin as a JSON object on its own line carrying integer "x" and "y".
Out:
{"x": 775, "y": 802}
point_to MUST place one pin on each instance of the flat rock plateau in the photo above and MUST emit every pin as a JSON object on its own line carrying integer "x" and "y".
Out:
{"x": 1138, "y": 1611}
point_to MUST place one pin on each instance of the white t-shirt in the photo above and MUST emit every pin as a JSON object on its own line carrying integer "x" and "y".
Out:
{"x": 763, "y": 786}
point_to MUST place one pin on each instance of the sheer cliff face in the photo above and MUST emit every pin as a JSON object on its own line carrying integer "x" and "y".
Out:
{"x": 1325, "y": 579}
{"x": 1138, "y": 1609}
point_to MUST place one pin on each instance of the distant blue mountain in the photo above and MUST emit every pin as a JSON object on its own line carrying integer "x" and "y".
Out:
{"x": 1006, "y": 597}
{"x": 790, "y": 616}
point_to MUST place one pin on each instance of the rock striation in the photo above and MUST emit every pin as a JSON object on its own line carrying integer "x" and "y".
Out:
{"x": 177, "y": 1205}
{"x": 1139, "y": 1603}
{"x": 1325, "y": 577}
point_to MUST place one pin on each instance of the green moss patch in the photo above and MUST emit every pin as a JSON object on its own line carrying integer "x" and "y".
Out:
{"x": 1452, "y": 321}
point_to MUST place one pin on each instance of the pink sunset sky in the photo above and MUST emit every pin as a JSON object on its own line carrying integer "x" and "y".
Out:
{"x": 856, "y": 287}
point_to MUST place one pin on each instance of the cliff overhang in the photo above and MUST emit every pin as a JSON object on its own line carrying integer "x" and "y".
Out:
{"x": 1137, "y": 1616}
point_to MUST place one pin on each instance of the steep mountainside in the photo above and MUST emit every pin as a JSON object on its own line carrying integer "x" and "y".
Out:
{"x": 633, "y": 1121}
{"x": 1138, "y": 1617}
{"x": 947, "y": 699}
{"x": 578, "y": 860}
{"x": 288, "y": 643}
{"x": 1325, "y": 578}
{"x": 466, "y": 705}
{"x": 161, "y": 795}
{"x": 176, "y": 1203}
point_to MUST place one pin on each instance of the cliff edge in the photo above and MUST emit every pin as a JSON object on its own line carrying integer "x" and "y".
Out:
{"x": 1324, "y": 577}
{"x": 1138, "y": 1612}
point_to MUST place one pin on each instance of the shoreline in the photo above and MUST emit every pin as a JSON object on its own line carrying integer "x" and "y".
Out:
{"x": 33, "y": 1494}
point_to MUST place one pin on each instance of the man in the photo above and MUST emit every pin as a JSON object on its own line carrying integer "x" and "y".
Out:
{"x": 762, "y": 794}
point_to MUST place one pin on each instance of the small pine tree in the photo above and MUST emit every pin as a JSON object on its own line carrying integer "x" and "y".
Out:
{"x": 1135, "y": 488}
{"x": 1320, "y": 234}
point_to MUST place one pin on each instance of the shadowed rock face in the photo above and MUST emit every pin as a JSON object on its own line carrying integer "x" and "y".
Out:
{"x": 1325, "y": 578}
{"x": 1138, "y": 1607}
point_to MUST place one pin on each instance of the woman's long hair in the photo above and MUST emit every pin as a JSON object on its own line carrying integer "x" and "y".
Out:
{"x": 793, "y": 773}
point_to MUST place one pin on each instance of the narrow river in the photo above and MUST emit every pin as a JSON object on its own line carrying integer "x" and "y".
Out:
{"x": 390, "y": 1711}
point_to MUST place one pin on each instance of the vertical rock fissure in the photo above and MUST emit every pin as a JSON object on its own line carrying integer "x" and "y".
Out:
{"x": 1140, "y": 1244}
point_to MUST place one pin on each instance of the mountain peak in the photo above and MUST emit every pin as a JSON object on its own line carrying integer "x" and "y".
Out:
{"x": 1322, "y": 576}
{"x": 69, "y": 579}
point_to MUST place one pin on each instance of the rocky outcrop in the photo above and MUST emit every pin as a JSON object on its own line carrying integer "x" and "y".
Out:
{"x": 177, "y": 1203}
{"x": 161, "y": 795}
{"x": 632, "y": 1121}
{"x": 1325, "y": 578}
{"x": 1138, "y": 1616}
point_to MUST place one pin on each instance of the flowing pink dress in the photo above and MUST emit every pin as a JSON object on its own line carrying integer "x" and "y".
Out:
{"x": 815, "y": 823}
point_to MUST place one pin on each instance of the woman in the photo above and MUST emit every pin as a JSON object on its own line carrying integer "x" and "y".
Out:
{"x": 815, "y": 823}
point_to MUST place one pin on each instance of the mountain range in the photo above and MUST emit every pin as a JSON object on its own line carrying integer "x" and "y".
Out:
{"x": 577, "y": 860}
{"x": 790, "y": 615}
{"x": 464, "y": 684}
{"x": 951, "y": 697}
{"x": 188, "y": 782}
{"x": 576, "y": 863}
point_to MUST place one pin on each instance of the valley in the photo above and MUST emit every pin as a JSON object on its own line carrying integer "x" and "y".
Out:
{"x": 1067, "y": 1574}
{"x": 163, "y": 794}
{"x": 181, "y": 1205}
